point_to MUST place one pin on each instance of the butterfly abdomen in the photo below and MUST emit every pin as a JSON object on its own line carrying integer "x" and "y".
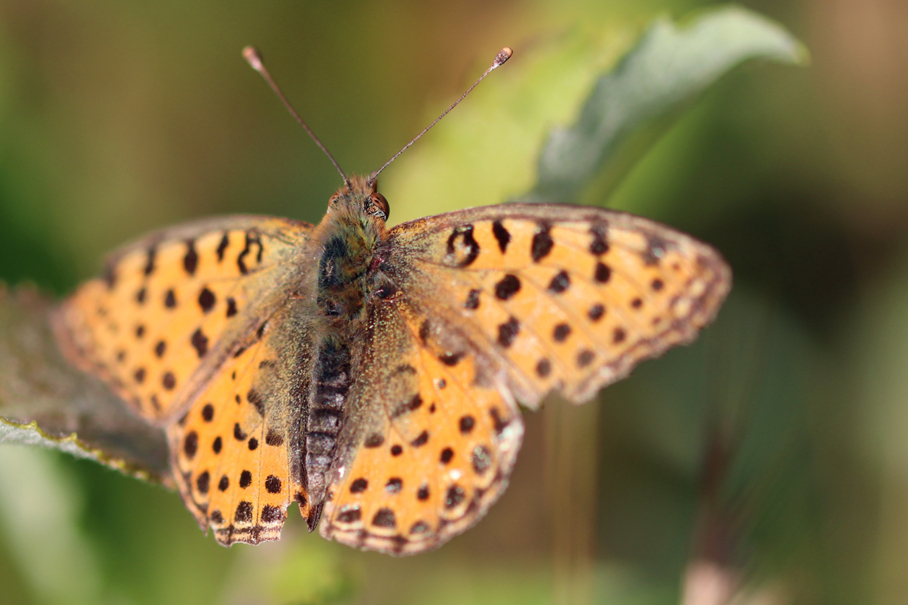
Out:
{"x": 330, "y": 382}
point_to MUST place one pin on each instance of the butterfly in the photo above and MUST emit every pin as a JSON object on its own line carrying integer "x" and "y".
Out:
{"x": 373, "y": 375}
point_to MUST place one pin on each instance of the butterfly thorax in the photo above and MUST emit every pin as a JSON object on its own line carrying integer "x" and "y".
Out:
{"x": 348, "y": 235}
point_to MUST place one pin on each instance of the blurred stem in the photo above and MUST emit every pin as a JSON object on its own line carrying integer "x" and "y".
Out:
{"x": 711, "y": 577}
{"x": 571, "y": 497}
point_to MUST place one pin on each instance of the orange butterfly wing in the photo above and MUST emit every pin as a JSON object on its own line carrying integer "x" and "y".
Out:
{"x": 430, "y": 443}
{"x": 236, "y": 454}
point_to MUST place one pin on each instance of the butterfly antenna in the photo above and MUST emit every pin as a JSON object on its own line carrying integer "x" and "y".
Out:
{"x": 503, "y": 55}
{"x": 254, "y": 59}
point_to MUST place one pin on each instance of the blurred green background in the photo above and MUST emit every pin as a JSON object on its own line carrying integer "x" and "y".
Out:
{"x": 772, "y": 453}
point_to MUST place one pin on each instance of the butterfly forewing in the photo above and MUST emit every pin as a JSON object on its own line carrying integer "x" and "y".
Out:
{"x": 173, "y": 307}
{"x": 566, "y": 298}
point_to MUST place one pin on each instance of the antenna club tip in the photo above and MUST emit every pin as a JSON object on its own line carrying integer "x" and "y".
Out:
{"x": 503, "y": 55}
{"x": 252, "y": 56}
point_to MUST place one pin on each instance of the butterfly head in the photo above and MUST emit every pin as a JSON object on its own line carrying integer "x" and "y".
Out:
{"x": 359, "y": 196}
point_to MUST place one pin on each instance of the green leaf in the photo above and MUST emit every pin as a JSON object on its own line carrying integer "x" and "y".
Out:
{"x": 45, "y": 401}
{"x": 669, "y": 67}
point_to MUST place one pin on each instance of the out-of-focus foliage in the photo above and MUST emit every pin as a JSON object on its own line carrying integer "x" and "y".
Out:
{"x": 770, "y": 452}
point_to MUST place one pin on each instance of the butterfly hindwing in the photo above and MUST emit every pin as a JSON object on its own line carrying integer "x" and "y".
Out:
{"x": 430, "y": 440}
{"x": 173, "y": 307}
{"x": 567, "y": 298}
{"x": 236, "y": 454}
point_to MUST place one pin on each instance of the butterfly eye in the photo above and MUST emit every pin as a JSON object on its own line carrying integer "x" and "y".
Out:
{"x": 379, "y": 206}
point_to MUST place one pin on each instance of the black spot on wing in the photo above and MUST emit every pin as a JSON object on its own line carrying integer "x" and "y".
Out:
{"x": 273, "y": 484}
{"x": 596, "y": 312}
{"x": 561, "y": 332}
{"x": 243, "y": 512}
{"x": 585, "y": 358}
{"x": 454, "y": 497}
{"x": 374, "y": 440}
{"x": 150, "y": 261}
{"x": 655, "y": 248}
{"x": 222, "y": 246}
{"x": 191, "y": 259}
{"x": 507, "y": 287}
{"x": 191, "y": 444}
{"x": 349, "y": 514}
{"x": 421, "y": 440}
{"x": 542, "y": 243}
{"x": 169, "y": 381}
{"x": 560, "y": 282}
{"x": 508, "y": 331}
{"x": 482, "y": 459}
{"x": 603, "y": 273}
{"x": 206, "y": 300}
{"x": 199, "y": 342}
{"x": 410, "y": 405}
{"x": 394, "y": 485}
{"x": 203, "y": 482}
{"x": 599, "y": 244}
{"x": 238, "y": 433}
{"x": 472, "y": 301}
{"x": 450, "y": 359}
{"x": 502, "y": 235}
{"x": 359, "y": 486}
{"x": 272, "y": 514}
{"x": 384, "y": 518}
{"x": 462, "y": 247}
{"x": 252, "y": 240}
